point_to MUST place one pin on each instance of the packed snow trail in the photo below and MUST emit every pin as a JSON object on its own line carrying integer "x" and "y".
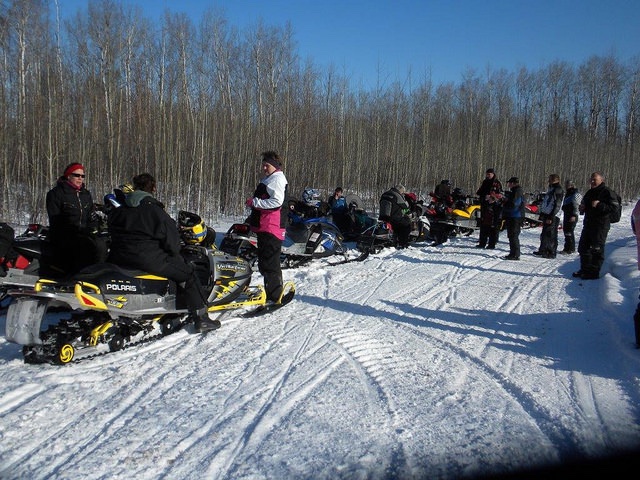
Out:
{"x": 444, "y": 362}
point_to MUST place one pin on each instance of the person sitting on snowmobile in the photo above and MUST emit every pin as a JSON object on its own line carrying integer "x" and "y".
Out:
{"x": 442, "y": 192}
{"x": 395, "y": 210}
{"x": 145, "y": 237}
{"x": 309, "y": 207}
{"x": 8, "y": 255}
{"x": 73, "y": 226}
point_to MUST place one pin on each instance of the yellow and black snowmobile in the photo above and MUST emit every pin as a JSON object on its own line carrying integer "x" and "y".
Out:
{"x": 105, "y": 308}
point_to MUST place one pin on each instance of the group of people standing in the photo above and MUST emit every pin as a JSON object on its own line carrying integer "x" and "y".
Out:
{"x": 498, "y": 205}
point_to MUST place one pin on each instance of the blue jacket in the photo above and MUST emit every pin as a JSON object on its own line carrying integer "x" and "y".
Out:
{"x": 514, "y": 203}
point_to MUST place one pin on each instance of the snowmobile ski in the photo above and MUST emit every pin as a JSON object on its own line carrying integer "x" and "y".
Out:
{"x": 288, "y": 292}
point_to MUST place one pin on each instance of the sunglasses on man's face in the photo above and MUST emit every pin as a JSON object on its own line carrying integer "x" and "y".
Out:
{"x": 78, "y": 175}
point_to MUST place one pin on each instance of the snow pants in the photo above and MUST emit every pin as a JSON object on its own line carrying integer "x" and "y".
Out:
{"x": 514, "y": 227}
{"x": 269, "y": 250}
{"x": 568, "y": 228}
{"x": 549, "y": 236}
{"x": 591, "y": 249}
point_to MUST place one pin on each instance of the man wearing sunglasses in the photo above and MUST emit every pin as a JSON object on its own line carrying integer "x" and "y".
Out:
{"x": 73, "y": 225}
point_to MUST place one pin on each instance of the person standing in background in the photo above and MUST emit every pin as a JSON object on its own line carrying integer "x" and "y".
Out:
{"x": 513, "y": 213}
{"x": 570, "y": 215}
{"x": 268, "y": 221}
{"x": 490, "y": 194}
{"x": 395, "y": 210}
{"x": 597, "y": 204}
{"x": 339, "y": 211}
{"x": 550, "y": 217}
{"x": 442, "y": 192}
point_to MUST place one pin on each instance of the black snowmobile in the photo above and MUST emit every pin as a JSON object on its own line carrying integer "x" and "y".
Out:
{"x": 376, "y": 237}
{"x": 310, "y": 234}
{"x": 106, "y": 308}
{"x": 20, "y": 258}
{"x": 379, "y": 234}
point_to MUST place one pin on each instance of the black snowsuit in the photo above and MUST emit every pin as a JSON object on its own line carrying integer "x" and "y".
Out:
{"x": 443, "y": 193}
{"x": 550, "y": 217}
{"x": 490, "y": 194}
{"x": 595, "y": 229}
{"x": 570, "y": 215}
{"x": 513, "y": 213}
{"x": 145, "y": 237}
{"x": 73, "y": 226}
{"x": 394, "y": 209}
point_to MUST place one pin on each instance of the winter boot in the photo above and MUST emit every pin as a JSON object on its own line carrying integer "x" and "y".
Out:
{"x": 203, "y": 323}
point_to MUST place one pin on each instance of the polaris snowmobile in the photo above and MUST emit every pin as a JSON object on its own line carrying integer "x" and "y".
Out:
{"x": 105, "y": 308}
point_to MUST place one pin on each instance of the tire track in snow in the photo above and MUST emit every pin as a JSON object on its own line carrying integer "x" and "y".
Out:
{"x": 511, "y": 301}
{"x": 273, "y": 406}
{"x": 372, "y": 360}
{"x": 377, "y": 365}
{"x": 562, "y": 438}
{"x": 84, "y": 424}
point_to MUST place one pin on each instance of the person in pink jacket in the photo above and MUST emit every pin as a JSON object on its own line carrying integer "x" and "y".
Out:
{"x": 268, "y": 221}
{"x": 635, "y": 226}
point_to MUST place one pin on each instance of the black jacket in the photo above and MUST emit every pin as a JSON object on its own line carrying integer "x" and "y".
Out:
{"x": 393, "y": 206}
{"x": 143, "y": 235}
{"x": 490, "y": 186}
{"x": 71, "y": 211}
{"x": 596, "y": 218}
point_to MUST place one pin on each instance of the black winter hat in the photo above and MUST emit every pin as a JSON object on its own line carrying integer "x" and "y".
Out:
{"x": 490, "y": 170}
{"x": 513, "y": 180}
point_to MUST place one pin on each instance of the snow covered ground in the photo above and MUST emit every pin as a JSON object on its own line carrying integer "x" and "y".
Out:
{"x": 430, "y": 362}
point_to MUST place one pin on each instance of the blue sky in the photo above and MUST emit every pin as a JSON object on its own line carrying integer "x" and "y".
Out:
{"x": 382, "y": 41}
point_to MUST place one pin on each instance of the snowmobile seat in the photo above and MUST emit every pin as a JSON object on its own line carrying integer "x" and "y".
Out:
{"x": 110, "y": 277}
{"x": 298, "y": 232}
{"x": 95, "y": 271}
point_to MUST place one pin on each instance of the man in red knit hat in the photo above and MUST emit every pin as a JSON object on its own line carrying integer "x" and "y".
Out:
{"x": 73, "y": 225}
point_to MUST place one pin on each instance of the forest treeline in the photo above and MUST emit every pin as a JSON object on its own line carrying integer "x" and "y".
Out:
{"x": 195, "y": 104}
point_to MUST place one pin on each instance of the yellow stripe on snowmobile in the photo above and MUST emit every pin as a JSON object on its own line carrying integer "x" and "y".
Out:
{"x": 41, "y": 283}
{"x": 460, "y": 213}
{"x": 254, "y": 298}
{"x": 86, "y": 299}
{"x": 97, "y": 332}
{"x": 149, "y": 276}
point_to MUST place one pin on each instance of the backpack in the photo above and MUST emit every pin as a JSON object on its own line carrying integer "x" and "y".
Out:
{"x": 615, "y": 215}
